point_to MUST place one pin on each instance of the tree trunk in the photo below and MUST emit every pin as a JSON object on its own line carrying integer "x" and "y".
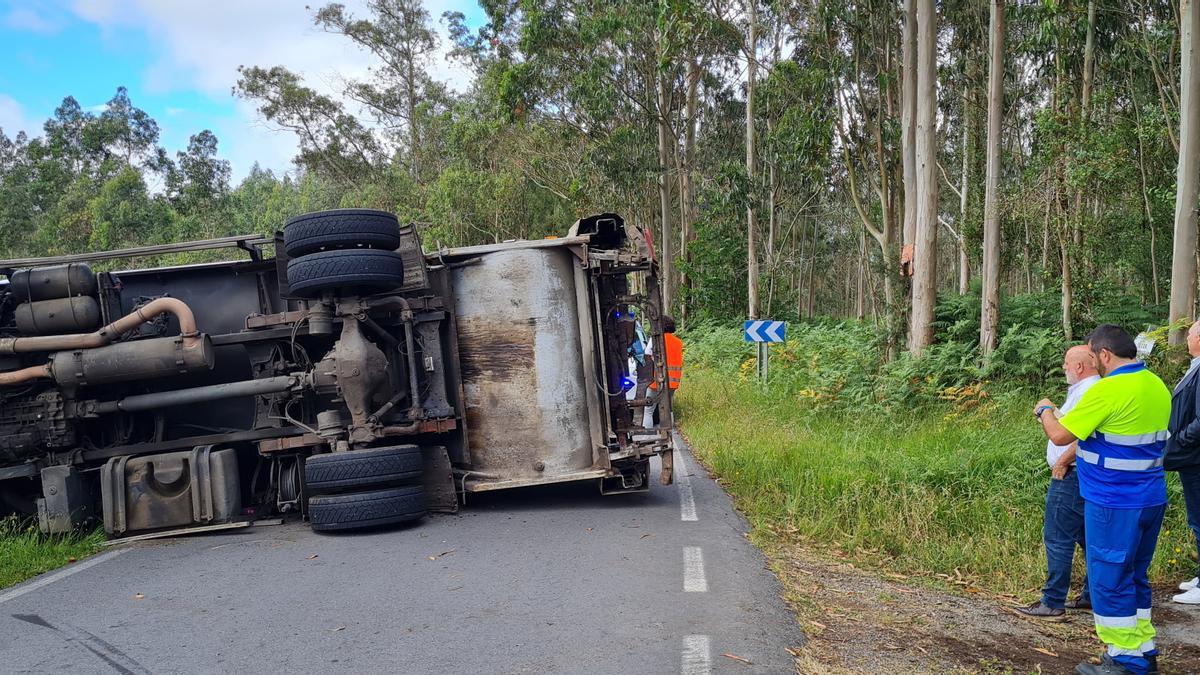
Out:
{"x": 860, "y": 311}
{"x": 964, "y": 261}
{"x": 1045, "y": 271}
{"x": 687, "y": 197}
{"x": 908, "y": 120}
{"x": 666, "y": 154}
{"x": 1183, "y": 258}
{"x": 800, "y": 270}
{"x": 1028, "y": 264}
{"x": 411, "y": 109}
{"x": 1064, "y": 243}
{"x": 925, "y": 250}
{"x": 990, "y": 306}
{"x": 751, "y": 220}
{"x": 1146, "y": 199}
{"x": 812, "y": 274}
{"x": 1085, "y": 104}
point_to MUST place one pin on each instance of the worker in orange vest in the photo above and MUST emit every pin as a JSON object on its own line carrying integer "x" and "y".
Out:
{"x": 674, "y": 349}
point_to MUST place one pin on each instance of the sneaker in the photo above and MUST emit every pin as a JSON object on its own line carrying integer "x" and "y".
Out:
{"x": 1191, "y": 597}
{"x": 1040, "y": 611}
{"x": 1189, "y": 585}
{"x": 1079, "y": 603}
{"x": 1107, "y": 667}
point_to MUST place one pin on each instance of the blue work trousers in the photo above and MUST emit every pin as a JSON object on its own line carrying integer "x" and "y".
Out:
{"x": 1061, "y": 531}
{"x": 1120, "y": 546}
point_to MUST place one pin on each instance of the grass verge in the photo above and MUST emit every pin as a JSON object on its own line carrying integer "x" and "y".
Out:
{"x": 953, "y": 495}
{"x": 25, "y": 552}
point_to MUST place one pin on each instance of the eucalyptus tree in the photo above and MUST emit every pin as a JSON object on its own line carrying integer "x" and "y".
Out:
{"x": 990, "y": 305}
{"x": 400, "y": 35}
{"x": 1183, "y": 262}
{"x": 925, "y": 249}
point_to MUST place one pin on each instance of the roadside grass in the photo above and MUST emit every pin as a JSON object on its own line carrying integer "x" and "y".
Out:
{"x": 952, "y": 495}
{"x": 25, "y": 552}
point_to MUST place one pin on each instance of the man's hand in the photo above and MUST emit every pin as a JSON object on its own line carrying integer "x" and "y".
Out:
{"x": 1042, "y": 404}
{"x": 1059, "y": 470}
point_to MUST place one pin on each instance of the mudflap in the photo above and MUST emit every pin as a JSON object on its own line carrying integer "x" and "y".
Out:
{"x": 438, "y": 479}
{"x": 667, "y": 476}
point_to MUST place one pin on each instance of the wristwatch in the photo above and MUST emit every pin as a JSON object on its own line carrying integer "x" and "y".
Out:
{"x": 1039, "y": 411}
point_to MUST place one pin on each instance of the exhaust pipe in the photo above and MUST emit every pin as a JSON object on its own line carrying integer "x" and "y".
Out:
{"x": 109, "y": 333}
{"x": 81, "y": 361}
{"x": 24, "y": 375}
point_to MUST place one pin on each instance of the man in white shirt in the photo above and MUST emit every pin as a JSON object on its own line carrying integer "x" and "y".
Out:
{"x": 1062, "y": 528}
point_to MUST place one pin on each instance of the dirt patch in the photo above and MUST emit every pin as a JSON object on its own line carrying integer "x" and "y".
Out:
{"x": 859, "y": 622}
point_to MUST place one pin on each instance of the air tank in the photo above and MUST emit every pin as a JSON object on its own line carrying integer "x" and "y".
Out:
{"x": 53, "y": 282}
{"x": 62, "y": 315}
{"x": 522, "y": 365}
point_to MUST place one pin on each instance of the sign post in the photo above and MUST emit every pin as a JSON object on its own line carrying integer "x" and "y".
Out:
{"x": 764, "y": 332}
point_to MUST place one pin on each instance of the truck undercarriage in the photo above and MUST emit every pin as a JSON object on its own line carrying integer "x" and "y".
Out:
{"x": 350, "y": 379}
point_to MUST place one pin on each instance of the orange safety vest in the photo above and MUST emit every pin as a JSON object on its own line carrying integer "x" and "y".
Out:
{"x": 674, "y": 361}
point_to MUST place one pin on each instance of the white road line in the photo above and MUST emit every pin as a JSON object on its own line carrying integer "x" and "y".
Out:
{"x": 696, "y": 659}
{"x": 61, "y": 574}
{"x": 694, "y": 580}
{"x": 687, "y": 501}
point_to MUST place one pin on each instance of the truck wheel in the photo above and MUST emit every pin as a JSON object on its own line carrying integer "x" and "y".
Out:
{"x": 339, "y": 229}
{"x": 361, "y": 269}
{"x": 372, "y": 467}
{"x": 330, "y": 513}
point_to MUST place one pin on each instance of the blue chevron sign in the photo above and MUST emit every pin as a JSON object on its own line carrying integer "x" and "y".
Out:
{"x": 766, "y": 331}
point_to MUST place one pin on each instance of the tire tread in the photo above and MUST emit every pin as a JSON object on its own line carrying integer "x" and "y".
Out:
{"x": 366, "y": 509}
{"x": 362, "y": 468}
{"x": 341, "y": 229}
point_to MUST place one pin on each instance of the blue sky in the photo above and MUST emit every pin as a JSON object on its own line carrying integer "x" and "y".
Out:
{"x": 179, "y": 59}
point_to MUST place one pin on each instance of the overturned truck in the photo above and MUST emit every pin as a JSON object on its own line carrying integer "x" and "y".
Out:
{"x": 349, "y": 378}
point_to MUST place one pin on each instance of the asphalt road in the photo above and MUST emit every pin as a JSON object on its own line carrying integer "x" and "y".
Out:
{"x": 555, "y": 580}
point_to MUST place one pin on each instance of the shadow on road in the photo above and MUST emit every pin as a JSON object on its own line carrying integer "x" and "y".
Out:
{"x": 583, "y": 495}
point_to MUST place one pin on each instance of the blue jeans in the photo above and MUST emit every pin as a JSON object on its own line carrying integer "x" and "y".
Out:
{"x": 1061, "y": 531}
{"x": 1191, "y": 498}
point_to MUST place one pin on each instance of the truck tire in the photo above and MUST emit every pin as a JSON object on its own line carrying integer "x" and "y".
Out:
{"x": 360, "y": 269}
{"x": 369, "y": 468}
{"x": 332, "y": 513}
{"x": 340, "y": 229}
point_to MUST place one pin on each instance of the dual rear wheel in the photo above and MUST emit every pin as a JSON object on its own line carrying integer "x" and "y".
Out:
{"x": 353, "y": 250}
{"x": 365, "y": 488}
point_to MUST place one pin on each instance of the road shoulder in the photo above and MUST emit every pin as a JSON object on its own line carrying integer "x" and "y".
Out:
{"x": 866, "y": 621}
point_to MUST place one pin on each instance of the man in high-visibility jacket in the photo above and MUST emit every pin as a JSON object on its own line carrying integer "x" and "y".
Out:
{"x": 674, "y": 363}
{"x": 1121, "y": 426}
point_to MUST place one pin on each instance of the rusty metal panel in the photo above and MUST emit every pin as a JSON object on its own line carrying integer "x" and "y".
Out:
{"x": 416, "y": 276}
{"x": 438, "y": 479}
{"x": 522, "y": 364}
{"x": 592, "y": 360}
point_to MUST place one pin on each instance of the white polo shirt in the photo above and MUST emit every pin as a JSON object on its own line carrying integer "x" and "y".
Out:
{"x": 1074, "y": 393}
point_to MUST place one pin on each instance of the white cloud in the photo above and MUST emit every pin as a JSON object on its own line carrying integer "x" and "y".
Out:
{"x": 245, "y": 139}
{"x": 28, "y": 19}
{"x": 13, "y": 118}
{"x": 201, "y": 45}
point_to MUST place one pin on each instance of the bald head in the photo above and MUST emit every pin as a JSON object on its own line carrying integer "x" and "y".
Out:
{"x": 1193, "y": 339}
{"x": 1079, "y": 363}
